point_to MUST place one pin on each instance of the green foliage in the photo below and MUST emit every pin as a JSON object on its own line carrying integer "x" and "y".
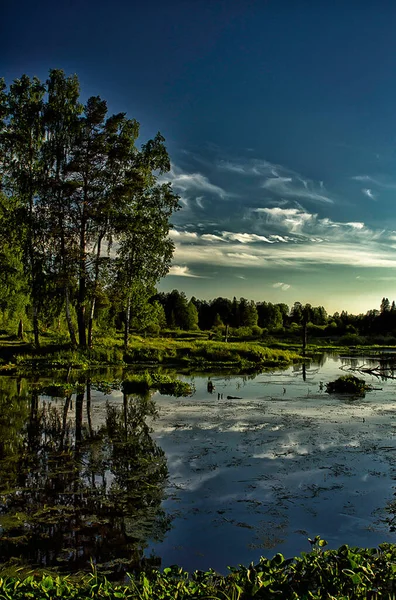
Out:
{"x": 347, "y": 384}
{"x": 351, "y": 339}
{"x": 74, "y": 180}
{"x": 342, "y": 574}
{"x": 144, "y": 382}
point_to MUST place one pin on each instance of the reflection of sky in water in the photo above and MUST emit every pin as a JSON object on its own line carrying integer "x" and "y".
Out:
{"x": 258, "y": 475}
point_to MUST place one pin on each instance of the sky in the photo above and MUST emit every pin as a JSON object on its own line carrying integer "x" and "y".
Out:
{"x": 280, "y": 121}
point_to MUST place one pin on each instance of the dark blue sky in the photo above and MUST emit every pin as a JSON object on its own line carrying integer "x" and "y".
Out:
{"x": 280, "y": 118}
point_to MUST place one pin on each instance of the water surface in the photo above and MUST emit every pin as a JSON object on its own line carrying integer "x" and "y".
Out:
{"x": 210, "y": 481}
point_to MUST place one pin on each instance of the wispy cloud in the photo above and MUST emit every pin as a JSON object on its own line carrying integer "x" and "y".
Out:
{"x": 300, "y": 222}
{"x": 181, "y": 235}
{"x": 295, "y": 188}
{"x": 379, "y": 181}
{"x": 190, "y": 183}
{"x": 290, "y": 255}
{"x": 279, "y": 180}
{"x": 369, "y": 193}
{"x": 243, "y": 257}
{"x": 246, "y": 238}
{"x": 281, "y": 285}
{"x": 308, "y": 241}
{"x": 180, "y": 271}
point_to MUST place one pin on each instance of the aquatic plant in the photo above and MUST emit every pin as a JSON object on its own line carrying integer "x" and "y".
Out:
{"x": 143, "y": 382}
{"x": 357, "y": 573}
{"x": 347, "y": 384}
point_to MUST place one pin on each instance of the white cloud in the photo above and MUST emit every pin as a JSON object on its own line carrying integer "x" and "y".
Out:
{"x": 188, "y": 183}
{"x": 379, "y": 181}
{"x": 281, "y": 285}
{"x": 246, "y": 238}
{"x": 355, "y": 225}
{"x": 180, "y": 271}
{"x": 199, "y": 201}
{"x": 210, "y": 237}
{"x": 293, "y": 219}
{"x": 369, "y": 193}
{"x": 242, "y": 256}
{"x": 178, "y": 234}
{"x": 279, "y": 180}
{"x": 295, "y": 188}
{"x": 289, "y": 255}
{"x": 302, "y": 224}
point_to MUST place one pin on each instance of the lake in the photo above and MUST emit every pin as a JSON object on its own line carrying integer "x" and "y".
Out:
{"x": 203, "y": 481}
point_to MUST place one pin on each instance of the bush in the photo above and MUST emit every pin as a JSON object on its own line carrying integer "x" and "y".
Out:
{"x": 347, "y": 384}
{"x": 351, "y": 339}
{"x": 257, "y": 331}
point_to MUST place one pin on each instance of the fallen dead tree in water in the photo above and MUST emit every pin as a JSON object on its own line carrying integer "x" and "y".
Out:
{"x": 379, "y": 371}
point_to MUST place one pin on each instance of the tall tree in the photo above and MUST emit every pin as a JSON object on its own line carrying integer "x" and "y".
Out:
{"x": 61, "y": 113}
{"x": 145, "y": 250}
{"x": 21, "y": 141}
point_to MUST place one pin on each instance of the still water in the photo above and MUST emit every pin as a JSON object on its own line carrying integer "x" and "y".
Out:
{"x": 204, "y": 481}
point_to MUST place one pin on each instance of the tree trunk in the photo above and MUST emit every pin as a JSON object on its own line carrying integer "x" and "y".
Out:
{"x": 35, "y": 324}
{"x": 95, "y": 290}
{"x": 82, "y": 289}
{"x": 304, "y": 336}
{"x": 90, "y": 322}
{"x": 127, "y": 323}
{"x": 79, "y": 416}
{"x": 70, "y": 325}
{"x": 20, "y": 330}
{"x": 89, "y": 418}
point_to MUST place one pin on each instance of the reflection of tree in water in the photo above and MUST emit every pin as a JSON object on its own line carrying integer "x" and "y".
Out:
{"x": 76, "y": 493}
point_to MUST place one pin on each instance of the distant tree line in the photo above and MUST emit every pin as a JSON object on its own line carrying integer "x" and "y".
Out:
{"x": 247, "y": 317}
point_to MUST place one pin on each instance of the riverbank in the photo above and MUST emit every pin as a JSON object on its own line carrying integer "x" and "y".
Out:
{"x": 194, "y": 353}
{"x": 182, "y": 350}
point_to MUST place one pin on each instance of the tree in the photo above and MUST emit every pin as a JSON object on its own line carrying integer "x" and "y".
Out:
{"x": 145, "y": 250}
{"x": 297, "y": 313}
{"x": 78, "y": 183}
{"x": 247, "y": 313}
{"x": 385, "y": 306}
{"x": 192, "y": 316}
{"x": 21, "y": 139}
{"x": 60, "y": 117}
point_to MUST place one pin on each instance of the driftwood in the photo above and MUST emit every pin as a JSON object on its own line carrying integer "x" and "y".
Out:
{"x": 380, "y": 371}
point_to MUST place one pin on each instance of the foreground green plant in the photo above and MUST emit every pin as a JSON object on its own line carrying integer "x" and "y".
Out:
{"x": 357, "y": 573}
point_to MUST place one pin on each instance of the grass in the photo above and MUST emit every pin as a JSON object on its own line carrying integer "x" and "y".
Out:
{"x": 194, "y": 352}
{"x": 357, "y": 573}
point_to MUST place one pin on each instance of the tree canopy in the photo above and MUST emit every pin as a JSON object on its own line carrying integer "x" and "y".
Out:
{"x": 82, "y": 204}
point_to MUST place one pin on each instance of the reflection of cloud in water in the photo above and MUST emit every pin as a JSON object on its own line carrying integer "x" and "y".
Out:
{"x": 272, "y": 459}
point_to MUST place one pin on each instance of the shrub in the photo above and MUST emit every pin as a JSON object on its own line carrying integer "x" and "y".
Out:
{"x": 351, "y": 339}
{"x": 347, "y": 384}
